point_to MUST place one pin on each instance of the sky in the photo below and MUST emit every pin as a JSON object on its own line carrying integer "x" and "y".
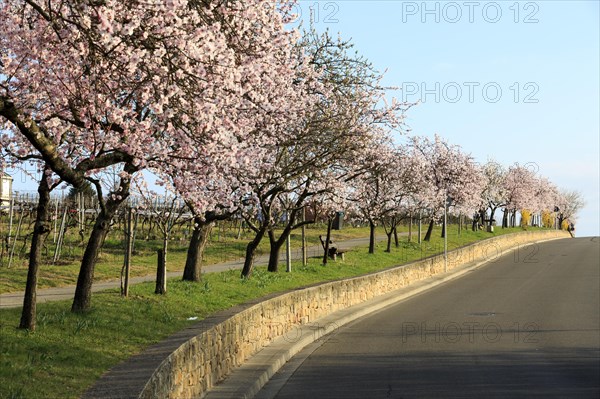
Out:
{"x": 512, "y": 81}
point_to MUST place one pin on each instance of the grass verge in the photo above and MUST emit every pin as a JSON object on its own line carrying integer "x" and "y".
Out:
{"x": 223, "y": 246}
{"x": 68, "y": 352}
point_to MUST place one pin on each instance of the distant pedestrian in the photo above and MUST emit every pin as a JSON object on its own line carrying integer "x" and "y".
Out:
{"x": 571, "y": 229}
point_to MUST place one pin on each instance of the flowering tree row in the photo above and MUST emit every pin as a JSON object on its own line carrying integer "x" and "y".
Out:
{"x": 232, "y": 110}
{"x": 520, "y": 188}
{"x": 190, "y": 89}
{"x": 218, "y": 99}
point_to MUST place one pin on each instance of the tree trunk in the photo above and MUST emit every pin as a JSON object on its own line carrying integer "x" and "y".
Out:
{"x": 372, "y": 237}
{"x": 396, "y": 236}
{"x": 277, "y": 243}
{"x": 83, "y": 291}
{"x": 560, "y": 221}
{"x": 492, "y": 212}
{"x": 193, "y": 262}
{"x": 391, "y": 233}
{"x": 327, "y": 239}
{"x": 429, "y": 231}
{"x": 443, "y": 229}
{"x": 275, "y": 248}
{"x": 128, "y": 252}
{"x": 505, "y": 219}
{"x": 41, "y": 229}
{"x": 250, "y": 252}
{"x": 161, "y": 272}
{"x": 389, "y": 240}
{"x": 410, "y": 222}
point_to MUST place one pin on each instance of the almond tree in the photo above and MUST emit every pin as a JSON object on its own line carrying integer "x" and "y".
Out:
{"x": 546, "y": 197}
{"x": 87, "y": 85}
{"x": 465, "y": 197}
{"x": 493, "y": 192}
{"x": 373, "y": 194}
{"x": 46, "y": 183}
{"x": 569, "y": 202}
{"x": 520, "y": 187}
{"x": 403, "y": 182}
{"x": 450, "y": 177}
{"x": 324, "y": 146}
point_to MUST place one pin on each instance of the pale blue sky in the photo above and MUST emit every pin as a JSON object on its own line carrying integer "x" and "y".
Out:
{"x": 556, "y": 53}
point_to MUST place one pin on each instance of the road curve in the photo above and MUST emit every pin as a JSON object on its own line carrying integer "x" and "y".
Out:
{"x": 527, "y": 325}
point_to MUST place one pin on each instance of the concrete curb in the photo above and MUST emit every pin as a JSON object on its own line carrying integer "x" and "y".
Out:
{"x": 247, "y": 380}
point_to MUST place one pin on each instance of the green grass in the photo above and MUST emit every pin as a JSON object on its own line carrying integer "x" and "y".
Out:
{"x": 68, "y": 352}
{"x": 222, "y": 247}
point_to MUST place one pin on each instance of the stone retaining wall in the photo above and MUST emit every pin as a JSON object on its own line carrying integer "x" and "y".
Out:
{"x": 201, "y": 362}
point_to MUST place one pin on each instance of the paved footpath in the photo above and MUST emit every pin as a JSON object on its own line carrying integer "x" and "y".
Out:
{"x": 15, "y": 299}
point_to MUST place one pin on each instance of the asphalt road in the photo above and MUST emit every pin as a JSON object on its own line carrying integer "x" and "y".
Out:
{"x": 527, "y": 325}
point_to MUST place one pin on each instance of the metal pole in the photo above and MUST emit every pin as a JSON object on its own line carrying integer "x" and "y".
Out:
{"x": 14, "y": 242}
{"x": 419, "y": 226}
{"x": 445, "y": 233}
{"x": 304, "y": 255}
{"x": 11, "y": 209}
{"x": 288, "y": 259}
{"x": 288, "y": 250}
{"x": 61, "y": 235}
{"x": 55, "y": 221}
